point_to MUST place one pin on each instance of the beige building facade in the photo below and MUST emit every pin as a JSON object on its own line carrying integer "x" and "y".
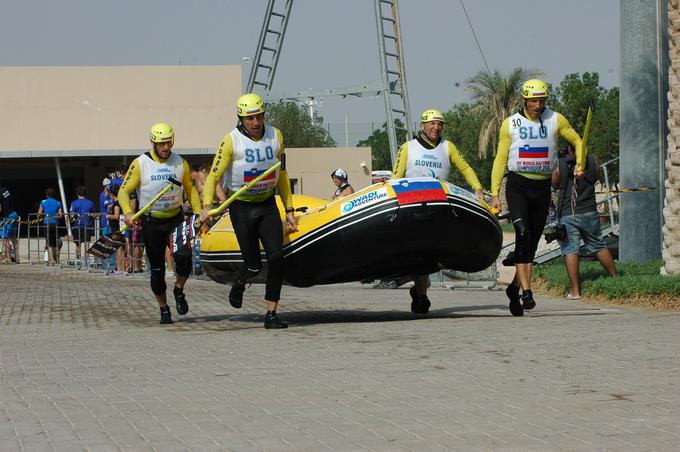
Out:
{"x": 83, "y": 122}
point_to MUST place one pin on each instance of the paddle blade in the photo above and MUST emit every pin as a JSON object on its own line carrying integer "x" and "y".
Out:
{"x": 184, "y": 233}
{"x": 106, "y": 245}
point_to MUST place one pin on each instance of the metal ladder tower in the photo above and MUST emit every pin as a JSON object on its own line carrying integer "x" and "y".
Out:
{"x": 393, "y": 71}
{"x": 393, "y": 74}
{"x": 269, "y": 46}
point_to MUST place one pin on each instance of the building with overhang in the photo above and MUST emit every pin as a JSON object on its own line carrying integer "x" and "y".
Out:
{"x": 66, "y": 126}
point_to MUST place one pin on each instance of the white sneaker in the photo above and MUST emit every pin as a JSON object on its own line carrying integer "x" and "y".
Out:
{"x": 169, "y": 274}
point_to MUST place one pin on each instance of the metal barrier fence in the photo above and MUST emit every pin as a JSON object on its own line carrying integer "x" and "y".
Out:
{"x": 72, "y": 241}
{"x": 485, "y": 279}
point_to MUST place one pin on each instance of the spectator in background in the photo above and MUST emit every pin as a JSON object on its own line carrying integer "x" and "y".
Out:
{"x": 136, "y": 247}
{"x": 340, "y": 179}
{"x": 51, "y": 208}
{"x": 579, "y": 217}
{"x": 129, "y": 252}
{"x": 105, "y": 202}
{"x": 117, "y": 176}
{"x": 83, "y": 227}
{"x": 8, "y": 227}
{"x": 114, "y": 223}
{"x": 199, "y": 176}
{"x": 106, "y": 208}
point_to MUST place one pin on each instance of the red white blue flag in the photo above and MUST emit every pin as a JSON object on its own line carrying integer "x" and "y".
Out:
{"x": 531, "y": 152}
{"x": 410, "y": 191}
{"x": 253, "y": 173}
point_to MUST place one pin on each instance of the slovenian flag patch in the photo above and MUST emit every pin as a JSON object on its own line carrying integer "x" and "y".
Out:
{"x": 411, "y": 191}
{"x": 531, "y": 152}
{"x": 253, "y": 173}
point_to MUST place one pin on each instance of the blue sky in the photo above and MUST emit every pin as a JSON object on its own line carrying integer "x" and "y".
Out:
{"x": 329, "y": 43}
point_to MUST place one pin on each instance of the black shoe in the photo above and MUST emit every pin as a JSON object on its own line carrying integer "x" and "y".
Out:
{"x": 180, "y": 301}
{"x": 512, "y": 291}
{"x": 166, "y": 318}
{"x": 415, "y": 299}
{"x": 272, "y": 321}
{"x": 236, "y": 294}
{"x": 419, "y": 304}
{"x": 516, "y": 307}
{"x": 424, "y": 305}
{"x": 528, "y": 300}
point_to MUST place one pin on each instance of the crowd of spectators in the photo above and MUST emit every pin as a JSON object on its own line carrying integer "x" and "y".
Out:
{"x": 84, "y": 222}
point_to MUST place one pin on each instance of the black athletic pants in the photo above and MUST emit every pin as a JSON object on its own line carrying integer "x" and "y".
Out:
{"x": 528, "y": 202}
{"x": 254, "y": 222}
{"x": 156, "y": 233}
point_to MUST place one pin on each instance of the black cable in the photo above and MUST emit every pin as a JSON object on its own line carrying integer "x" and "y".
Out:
{"x": 475, "y": 36}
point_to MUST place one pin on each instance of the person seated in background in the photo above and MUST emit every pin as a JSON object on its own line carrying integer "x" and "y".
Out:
{"x": 577, "y": 212}
{"x": 343, "y": 188}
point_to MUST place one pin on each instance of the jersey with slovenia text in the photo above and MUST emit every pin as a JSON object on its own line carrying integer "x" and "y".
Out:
{"x": 428, "y": 162}
{"x": 153, "y": 177}
{"x": 533, "y": 145}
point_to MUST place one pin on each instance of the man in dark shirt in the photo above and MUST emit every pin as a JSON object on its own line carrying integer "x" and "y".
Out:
{"x": 578, "y": 213}
{"x": 83, "y": 229}
{"x": 8, "y": 226}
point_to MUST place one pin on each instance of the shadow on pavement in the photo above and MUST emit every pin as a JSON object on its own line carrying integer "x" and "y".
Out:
{"x": 238, "y": 321}
{"x": 297, "y": 318}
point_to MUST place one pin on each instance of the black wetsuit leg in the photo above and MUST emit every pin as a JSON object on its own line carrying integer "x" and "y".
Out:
{"x": 271, "y": 234}
{"x": 528, "y": 203}
{"x": 156, "y": 233}
{"x": 254, "y": 222}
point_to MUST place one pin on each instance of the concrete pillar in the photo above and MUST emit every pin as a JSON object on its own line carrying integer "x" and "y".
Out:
{"x": 643, "y": 130}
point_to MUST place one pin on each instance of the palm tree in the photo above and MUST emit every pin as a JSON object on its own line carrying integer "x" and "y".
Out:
{"x": 497, "y": 97}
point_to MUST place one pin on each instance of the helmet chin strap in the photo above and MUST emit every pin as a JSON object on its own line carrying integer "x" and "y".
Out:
{"x": 241, "y": 128}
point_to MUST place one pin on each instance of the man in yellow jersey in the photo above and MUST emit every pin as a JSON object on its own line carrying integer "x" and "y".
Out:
{"x": 244, "y": 153}
{"x": 429, "y": 155}
{"x": 527, "y": 148}
{"x": 150, "y": 173}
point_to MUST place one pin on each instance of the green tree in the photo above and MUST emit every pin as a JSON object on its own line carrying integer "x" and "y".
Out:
{"x": 462, "y": 126}
{"x": 497, "y": 97}
{"x": 380, "y": 146}
{"x": 298, "y": 129}
{"x": 572, "y": 98}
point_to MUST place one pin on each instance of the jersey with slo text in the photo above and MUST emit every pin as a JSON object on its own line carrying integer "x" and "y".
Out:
{"x": 251, "y": 158}
{"x": 533, "y": 147}
{"x": 428, "y": 162}
{"x": 153, "y": 177}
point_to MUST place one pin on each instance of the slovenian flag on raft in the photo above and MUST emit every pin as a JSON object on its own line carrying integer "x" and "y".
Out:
{"x": 411, "y": 191}
{"x": 253, "y": 173}
{"x": 529, "y": 152}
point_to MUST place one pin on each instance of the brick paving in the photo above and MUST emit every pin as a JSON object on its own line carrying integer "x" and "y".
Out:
{"x": 84, "y": 365}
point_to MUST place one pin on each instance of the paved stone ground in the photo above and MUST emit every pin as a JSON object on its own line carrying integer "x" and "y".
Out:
{"x": 85, "y": 366}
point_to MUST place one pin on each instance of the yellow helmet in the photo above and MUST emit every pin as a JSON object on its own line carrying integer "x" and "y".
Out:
{"x": 534, "y": 88}
{"x": 249, "y": 105}
{"x": 162, "y": 132}
{"x": 432, "y": 115}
